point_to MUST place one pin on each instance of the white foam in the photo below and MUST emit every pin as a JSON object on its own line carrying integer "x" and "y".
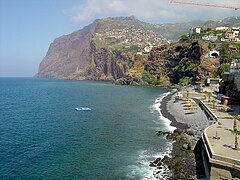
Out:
{"x": 142, "y": 170}
{"x": 162, "y": 119}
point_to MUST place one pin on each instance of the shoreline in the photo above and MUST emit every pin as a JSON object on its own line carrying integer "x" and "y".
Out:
{"x": 190, "y": 161}
{"x": 168, "y": 115}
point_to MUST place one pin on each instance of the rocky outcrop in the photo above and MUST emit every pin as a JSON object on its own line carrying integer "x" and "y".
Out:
{"x": 95, "y": 52}
{"x": 172, "y": 63}
{"x": 75, "y": 57}
{"x": 107, "y": 50}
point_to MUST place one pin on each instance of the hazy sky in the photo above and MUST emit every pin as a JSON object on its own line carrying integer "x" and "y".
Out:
{"x": 27, "y": 27}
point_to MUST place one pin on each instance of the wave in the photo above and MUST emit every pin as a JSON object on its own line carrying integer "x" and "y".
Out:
{"x": 142, "y": 170}
{"x": 156, "y": 107}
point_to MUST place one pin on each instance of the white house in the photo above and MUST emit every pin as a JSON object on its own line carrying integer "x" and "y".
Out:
{"x": 210, "y": 37}
{"x": 234, "y": 67}
{"x": 221, "y": 28}
{"x": 147, "y": 49}
{"x": 198, "y": 30}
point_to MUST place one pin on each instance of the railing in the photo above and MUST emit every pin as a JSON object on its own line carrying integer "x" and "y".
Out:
{"x": 211, "y": 117}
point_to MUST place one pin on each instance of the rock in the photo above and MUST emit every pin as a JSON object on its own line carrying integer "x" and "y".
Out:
{"x": 159, "y": 164}
{"x": 191, "y": 145}
{"x": 122, "y": 81}
{"x": 156, "y": 161}
{"x": 190, "y": 132}
{"x": 182, "y": 138}
{"x": 152, "y": 164}
{"x": 185, "y": 146}
{"x": 178, "y": 131}
{"x": 165, "y": 159}
{"x": 181, "y": 176}
{"x": 160, "y": 133}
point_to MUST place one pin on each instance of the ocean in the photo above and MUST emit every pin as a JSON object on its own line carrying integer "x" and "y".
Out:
{"x": 43, "y": 137}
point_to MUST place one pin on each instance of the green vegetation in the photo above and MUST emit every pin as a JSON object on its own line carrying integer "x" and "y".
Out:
{"x": 225, "y": 53}
{"x": 222, "y": 69}
{"x": 184, "y": 38}
{"x": 186, "y": 81}
{"x": 150, "y": 79}
{"x": 235, "y": 56}
{"x": 186, "y": 71}
{"x": 229, "y": 51}
{"x": 118, "y": 47}
{"x": 147, "y": 77}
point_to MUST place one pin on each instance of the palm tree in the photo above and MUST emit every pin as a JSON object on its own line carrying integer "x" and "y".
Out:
{"x": 214, "y": 101}
{"x": 235, "y": 131}
{"x": 209, "y": 94}
{"x": 236, "y": 134}
{"x": 235, "y": 117}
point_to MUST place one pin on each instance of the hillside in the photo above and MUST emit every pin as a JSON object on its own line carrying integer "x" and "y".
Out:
{"x": 113, "y": 48}
{"x": 104, "y": 50}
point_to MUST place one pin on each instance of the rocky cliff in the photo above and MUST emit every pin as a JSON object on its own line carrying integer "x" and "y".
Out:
{"x": 111, "y": 49}
{"x": 104, "y": 50}
{"x": 181, "y": 62}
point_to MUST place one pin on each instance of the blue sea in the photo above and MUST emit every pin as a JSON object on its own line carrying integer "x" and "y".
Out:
{"x": 43, "y": 137}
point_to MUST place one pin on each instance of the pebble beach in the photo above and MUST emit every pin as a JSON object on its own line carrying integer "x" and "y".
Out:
{"x": 185, "y": 119}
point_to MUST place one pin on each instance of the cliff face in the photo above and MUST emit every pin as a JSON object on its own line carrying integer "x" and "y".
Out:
{"x": 180, "y": 62}
{"x": 107, "y": 50}
{"x": 99, "y": 51}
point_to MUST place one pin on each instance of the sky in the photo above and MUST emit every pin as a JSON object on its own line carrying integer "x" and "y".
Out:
{"x": 27, "y": 27}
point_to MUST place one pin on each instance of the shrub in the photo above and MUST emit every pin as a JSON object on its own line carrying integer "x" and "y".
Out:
{"x": 147, "y": 77}
{"x": 186, "y": 80}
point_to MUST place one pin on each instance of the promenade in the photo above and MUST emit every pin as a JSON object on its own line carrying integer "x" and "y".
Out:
{"x": 219, "y": 141}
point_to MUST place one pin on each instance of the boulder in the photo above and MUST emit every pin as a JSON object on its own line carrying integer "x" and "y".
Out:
{"x": 190, "y": 132}
{"x": 178, "y": 131}
{"x": 185, "y": 146}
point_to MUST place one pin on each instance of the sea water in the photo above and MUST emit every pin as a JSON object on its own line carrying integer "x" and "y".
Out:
{"x": 43, "y": 137}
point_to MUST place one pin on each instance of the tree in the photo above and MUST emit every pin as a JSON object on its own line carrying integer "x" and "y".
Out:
{"x": 235, "y": 117}
{"x": 214, "y": 101}
{"x": 184, "y": 38}
{"x": 235, "y": 131}
{"x": 225, "y": 53}
{"x": 223, "y": 68}
{"x": 236, "y": 134}
{"x": 209, "y": 94}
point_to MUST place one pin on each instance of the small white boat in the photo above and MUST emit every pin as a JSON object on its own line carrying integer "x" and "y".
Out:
{"x": 83, "y": 109}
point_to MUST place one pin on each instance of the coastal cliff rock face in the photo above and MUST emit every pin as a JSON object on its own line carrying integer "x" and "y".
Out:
{"x": 75, "y": 56}
{"x": 104, "y": 50}
{"x": 111, "y": 48}
{"x": 67, "y": 54}
{"x": 172, "y": 63}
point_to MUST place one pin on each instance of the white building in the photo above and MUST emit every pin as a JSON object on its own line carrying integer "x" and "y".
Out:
{"x": 198, "y": 30}
{"x": 221, "y": 28}
{"x": 210, "y": 37}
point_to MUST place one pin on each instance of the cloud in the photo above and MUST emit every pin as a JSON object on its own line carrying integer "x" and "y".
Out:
{"x": 160, "y": 11}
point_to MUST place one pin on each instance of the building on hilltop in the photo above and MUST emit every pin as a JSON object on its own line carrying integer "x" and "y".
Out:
{"x": 232, "y": 35}
{"x": 231, "y": 81}
{"x": 221, "y": 28}
{"x": 234, "y": 68}
{"x": 210, "y": 37}
{"x": 196, "y": 30}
